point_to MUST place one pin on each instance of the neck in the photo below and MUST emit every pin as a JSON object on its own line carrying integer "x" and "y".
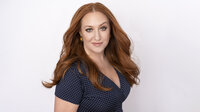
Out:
{"x": 99, "y": 58}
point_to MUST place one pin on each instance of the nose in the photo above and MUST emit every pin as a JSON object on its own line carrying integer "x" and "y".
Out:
{"x": 97, "y": 35}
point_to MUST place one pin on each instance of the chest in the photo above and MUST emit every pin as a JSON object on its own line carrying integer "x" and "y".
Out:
{"x": 112, "y": 75}
{"x": 94, "y": 99}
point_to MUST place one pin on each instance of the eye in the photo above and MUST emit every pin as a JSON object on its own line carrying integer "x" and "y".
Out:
{"x": 103, "y": 28}
{"x": 88, "y": 30}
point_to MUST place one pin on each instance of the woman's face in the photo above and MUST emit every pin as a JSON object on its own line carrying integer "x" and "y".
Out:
{"x": 95, "y": 31}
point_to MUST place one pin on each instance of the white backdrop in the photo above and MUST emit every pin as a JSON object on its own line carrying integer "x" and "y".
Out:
{"x": 166, "y": 39}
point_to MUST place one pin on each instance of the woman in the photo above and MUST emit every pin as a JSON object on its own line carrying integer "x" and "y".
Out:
{"x": 95, "y": 70}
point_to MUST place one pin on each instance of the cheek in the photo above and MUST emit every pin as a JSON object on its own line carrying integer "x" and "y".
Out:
{"x": 106, "y": 35}
{"x": 87, "y": 38}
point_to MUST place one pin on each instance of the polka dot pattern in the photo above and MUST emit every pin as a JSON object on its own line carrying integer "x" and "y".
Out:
{"x": 78, "y": 89}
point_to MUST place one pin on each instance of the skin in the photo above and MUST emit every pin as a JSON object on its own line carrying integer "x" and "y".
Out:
{"x": 94, "y": 28}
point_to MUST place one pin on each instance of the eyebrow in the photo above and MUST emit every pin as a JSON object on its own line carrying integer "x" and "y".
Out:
{"x": 99, "y": 25}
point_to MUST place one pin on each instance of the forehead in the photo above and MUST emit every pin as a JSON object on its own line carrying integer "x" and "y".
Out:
{"x": 94, "y": 19}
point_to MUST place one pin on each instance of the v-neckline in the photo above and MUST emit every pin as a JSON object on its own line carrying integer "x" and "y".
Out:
{"x": 118, "y": 79}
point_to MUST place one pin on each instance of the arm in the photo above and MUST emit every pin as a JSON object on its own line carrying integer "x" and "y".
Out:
{"x": 68, "y": 92}
{"x": 64, "y": 106}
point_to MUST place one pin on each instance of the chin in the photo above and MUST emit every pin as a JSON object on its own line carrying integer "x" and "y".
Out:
{"x": 98, "y": 50}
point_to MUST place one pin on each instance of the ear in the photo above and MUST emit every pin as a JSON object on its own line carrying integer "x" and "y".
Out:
{"x": 80, "y": 33}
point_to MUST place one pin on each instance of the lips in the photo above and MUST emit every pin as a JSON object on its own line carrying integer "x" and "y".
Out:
{"x": 97, "y": 43}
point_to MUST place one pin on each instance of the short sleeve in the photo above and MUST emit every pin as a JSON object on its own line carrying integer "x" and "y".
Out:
{"x": 69, "y": 88}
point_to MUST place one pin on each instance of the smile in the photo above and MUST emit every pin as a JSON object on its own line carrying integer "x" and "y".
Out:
{"x": 97, "y": 44}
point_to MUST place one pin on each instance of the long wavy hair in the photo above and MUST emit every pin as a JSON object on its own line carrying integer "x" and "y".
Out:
{"x": 117, "y": 51}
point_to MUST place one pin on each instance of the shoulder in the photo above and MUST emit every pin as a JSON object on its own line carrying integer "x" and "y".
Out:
{"x": 73, "y": 69}
{"x": 70, "y": 87}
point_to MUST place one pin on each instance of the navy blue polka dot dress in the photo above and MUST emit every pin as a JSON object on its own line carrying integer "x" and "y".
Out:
{"x": 77, "y": 88}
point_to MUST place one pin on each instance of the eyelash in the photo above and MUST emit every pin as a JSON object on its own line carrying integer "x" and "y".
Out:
{"x": 104, "y": 28}
{"x": 91, "y": 29}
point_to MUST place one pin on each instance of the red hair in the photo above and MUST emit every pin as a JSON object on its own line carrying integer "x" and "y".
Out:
{"x": 117, "y": 50}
